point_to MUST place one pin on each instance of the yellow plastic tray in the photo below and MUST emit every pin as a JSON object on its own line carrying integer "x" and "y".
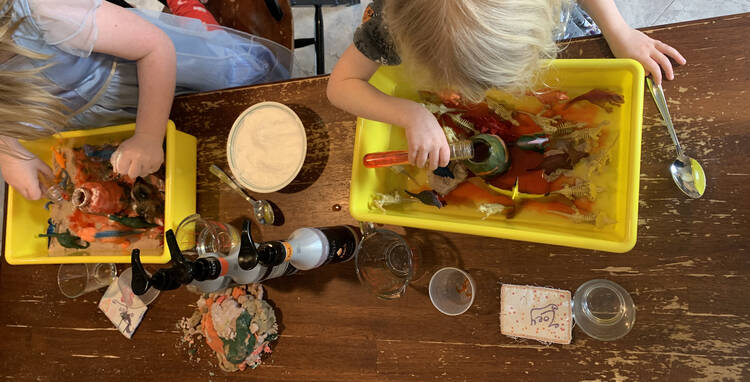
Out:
{"x": 25, "y": 219}
{"x": 620, "y": 177}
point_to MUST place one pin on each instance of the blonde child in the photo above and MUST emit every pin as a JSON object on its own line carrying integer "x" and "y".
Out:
{"x": 79, "y": 64}
{"x": 468, "y": 46}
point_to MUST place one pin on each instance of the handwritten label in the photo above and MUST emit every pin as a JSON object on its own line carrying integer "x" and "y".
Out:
{"x": 541, "y": 314}
{"x": 544, "y": 314}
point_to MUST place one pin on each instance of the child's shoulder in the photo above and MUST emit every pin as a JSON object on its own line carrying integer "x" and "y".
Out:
{"x": 69, "y": 25}
{"x": 372, "y": 38}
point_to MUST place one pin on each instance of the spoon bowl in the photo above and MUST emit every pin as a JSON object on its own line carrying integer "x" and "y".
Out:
{"x": 687, "y": 173}
{"x": 689, "y": 176}
{"x": 262, "y": 210}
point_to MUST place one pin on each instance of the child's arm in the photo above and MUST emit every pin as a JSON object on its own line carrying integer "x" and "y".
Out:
{"x": 348, "y": 89}
{"x": 628, "y": 42}
{"x": 126, "y": 35}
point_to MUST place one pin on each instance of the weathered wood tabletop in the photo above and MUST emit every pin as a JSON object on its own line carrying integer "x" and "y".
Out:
{"x": 688, "y": 274}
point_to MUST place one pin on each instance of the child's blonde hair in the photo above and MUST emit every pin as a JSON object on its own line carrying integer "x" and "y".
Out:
{"x": 27, "y": 109}
{"x": 473, "y": 45}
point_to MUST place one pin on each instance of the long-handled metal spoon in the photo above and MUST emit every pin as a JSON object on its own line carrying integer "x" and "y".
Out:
{"x": 686, "y": 171}
{"x": 261, "y": 208}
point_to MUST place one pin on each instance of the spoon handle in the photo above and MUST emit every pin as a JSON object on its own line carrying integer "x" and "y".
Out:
{"x": 661, "y": 103}
{"x": 229, "y": 182}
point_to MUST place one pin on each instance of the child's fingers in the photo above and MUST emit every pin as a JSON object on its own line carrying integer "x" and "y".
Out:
{"x": 26, "y": 194}
{"x": 122, "y": 164}
{"x": 134, "y": 170}
{"x": 445, "y": 155}
{"x": 653, "y": 68}
{"x": 151, "y": 169}
{"x": 421, "y": 158}
{"x": 44, "y": 169}
{"x": 663, "y": 61}
{"x": 413, "y": 155}
{"x": 434, "y": 158}
{"x": 33, "y": 192}
{"x": 671, "y": 52}
{"x": 115, "y": 160}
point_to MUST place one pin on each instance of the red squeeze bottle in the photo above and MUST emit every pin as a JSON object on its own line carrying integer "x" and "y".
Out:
{"x": 459, "y": 150}
{"x": 385, "y": 159}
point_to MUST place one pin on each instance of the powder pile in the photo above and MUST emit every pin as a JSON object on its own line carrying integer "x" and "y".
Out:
{"x": 269, "y": 147}
{"x": 238, "y": 326}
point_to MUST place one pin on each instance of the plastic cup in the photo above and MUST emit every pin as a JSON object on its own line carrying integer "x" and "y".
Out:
{"x": 131, "y": 299}
{"x": 77, "y": 279}
{"x": 452, "y": 291}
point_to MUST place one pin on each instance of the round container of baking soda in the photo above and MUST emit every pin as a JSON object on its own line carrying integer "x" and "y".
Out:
{"x": 266, "y": 147}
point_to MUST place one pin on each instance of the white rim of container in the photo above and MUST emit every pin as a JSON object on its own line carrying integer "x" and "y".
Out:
{"x": 242, "y": 181}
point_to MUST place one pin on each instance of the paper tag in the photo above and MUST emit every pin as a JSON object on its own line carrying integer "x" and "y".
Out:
{"x": 114, "y": 306}
{"x": 541, "y": 314}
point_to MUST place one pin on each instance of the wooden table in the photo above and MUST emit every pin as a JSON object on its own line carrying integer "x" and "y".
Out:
{"x": 688, "y": 274}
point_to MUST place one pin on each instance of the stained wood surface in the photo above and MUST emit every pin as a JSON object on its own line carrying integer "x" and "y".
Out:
{"x": 688, "y": 274}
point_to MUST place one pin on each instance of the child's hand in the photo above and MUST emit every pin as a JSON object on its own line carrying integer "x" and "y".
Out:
{"x": 631, "y": 43}
{"x": 140, "y": 155}
{"x": 22, "y": 174}
{"x": 426, "y": 140}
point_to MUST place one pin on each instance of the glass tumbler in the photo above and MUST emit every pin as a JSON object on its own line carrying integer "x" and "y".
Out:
{"x": 198, "y": 237}
{"x": 603, "y": 309}
{"x": 384, "y": 262}
{"x": 77, "y": 279}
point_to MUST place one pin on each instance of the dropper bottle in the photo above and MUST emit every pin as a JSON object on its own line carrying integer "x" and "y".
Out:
{"x": 459, "y": 151}
{"x": 485, "y": 155}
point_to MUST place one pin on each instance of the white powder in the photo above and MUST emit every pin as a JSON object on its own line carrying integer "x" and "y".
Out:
{"x": 268, "y": 148}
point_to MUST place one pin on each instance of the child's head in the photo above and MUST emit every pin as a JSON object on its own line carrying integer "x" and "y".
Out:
{"x": 473, "y": 45}
{"x": 27, "y": 109}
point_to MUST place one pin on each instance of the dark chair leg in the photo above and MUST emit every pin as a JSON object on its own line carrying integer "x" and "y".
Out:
{"x": 319, "y": 37}
{"x": 319, "y": 48}
{"x": 275, "y": 9}
{"x": 303, "y": 42}
{"x": 121, "y": 3}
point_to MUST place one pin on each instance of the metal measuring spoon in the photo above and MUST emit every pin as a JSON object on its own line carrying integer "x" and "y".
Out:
{"x": 261, "y": 208}
{"x": 686, "y": 171}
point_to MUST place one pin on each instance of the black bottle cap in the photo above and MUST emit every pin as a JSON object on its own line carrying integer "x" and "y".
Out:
{"x": 140, "y": 282}
{"x": 248, "y": 256}
{"x": 271, "y": 253}
{"x": 181, "y": 272}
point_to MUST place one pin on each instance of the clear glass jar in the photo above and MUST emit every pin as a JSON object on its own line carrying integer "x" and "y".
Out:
{"x": 198, "y": 237}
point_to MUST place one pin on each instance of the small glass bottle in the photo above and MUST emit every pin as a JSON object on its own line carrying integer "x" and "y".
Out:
{"x": 462, "y": 150}
{"x": 52, "y": 190}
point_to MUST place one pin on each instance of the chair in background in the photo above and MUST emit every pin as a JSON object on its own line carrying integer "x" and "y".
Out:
{"x": 271, "y": 19}
{"x": 319, "y": 37}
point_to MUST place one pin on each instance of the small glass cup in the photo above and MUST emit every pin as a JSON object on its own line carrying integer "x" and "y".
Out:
{"x": 77, "y": 279}
{"x": 384, "y": 262}
{"x": 129, "y": 298}
{"x": 198, "y": 237}
{"x": 452, "y": 291}
{"x": 603, "y": 309}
